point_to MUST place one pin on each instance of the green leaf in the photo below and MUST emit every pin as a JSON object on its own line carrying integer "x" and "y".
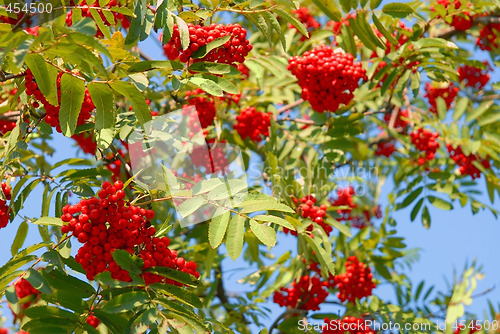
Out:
{"x": 204, "y": 50}
{"x": 53, "y": 221}
{"x": 217, "y": 229}
{"x": 266, "y": 234}
{"x": 72, "y": 95}
{"x": 139, "y": 105}
{"x": 22, "y": 233}
{"x": 74, "y": 286}
{"x": 175, "y": 275}
{"x": 135, "y": 28}
{"x": 411, "y": 197}
{"x": 235, "y": 236}
{"x": 37, "y": 281}
{"x": 365, "y": 33}
{"x": 213, "y": 68}
{"x": 131, "y": 263}
{"x": 126, "y": 302}
{"x": 183, "y": 32}
{"x": 349, "y": 44}
{"x": 224, "y": 84}
{"x": 397, "y": 9}
{"x": 328, "y": 7}
{"x": 44, "y": 312}
{"x": 344, "y": 229}
{"x": 275, "y": 220}
{"x": 190, "y": 205}
{"x": 416, "y": 209}
{"x": 323, "y": 256}
{"x": 207, "y": 85}
{"x": 272, "y": 23}
{"x": 149, "y": 65}
{"x": 103, "y": 99}
{"x": 384, "y": 31}
{"x": 460, "y": 107}
{"x": 181, "y": 294}
{"x": 440, "y": 203}
{"x": 45, "y": 76}
{"x": 346, "y": 5}
{"x": 426, "y": 217}
{"x": 296, "y": 23}
{"x": 100, "y": 23}
{"x": 267, "y": 205}
{"x": 375, "y": 3}
{"x": 477, "y": 112}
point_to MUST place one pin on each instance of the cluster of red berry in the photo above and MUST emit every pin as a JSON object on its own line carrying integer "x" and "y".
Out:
{"x": 86, "y": 142}
{"x": 253, "y": 124}
{"x": 306, "y": 294}
{"x": 487, "y": 39}
{"x": 85, "y": 10}
{"x": 308, "y": 209}
{"x": 233, "y": 51}
{"x": 385, "y": 148}
{"x": 52, "y": 112}
{"x": 105, "y": 223}
{"x": 6, "y": 126}
{"x": 307, "y": 19}
{"x": 245, "y": 71}
{"x": 4, "y": 208}
{"x": 344, "y": 198}
{"x": 205, "y": 104}
{"x": 461, "y": 20}
{"x": 350, "y": 325}
{"x": 25, "y": 290}
{"x": 474, "y": 77}
{"x": 93, "y": 321}
{"x": 356, "y": 282}
{"x": 327, "y": 77}
{"x": 448, "y": 93}
{"x": 425, "y": 142}
{"x": 466, "y": 162}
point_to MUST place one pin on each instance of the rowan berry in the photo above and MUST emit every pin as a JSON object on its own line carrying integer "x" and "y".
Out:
{"x": 4, "y": 208}
{"x": 355, "y": 283}
{"x": 425, "y": 142}
{"x": 306, "y": 294}
{"x": 474, "y": 77}
{"x": 253, "y": 124}
{"x": 327, "y": 77}
{"x": 466, "y": 162}
{"x": 448, "y": 93}
{"x": 106, "y": 226}
{"x": 233, "y": 51}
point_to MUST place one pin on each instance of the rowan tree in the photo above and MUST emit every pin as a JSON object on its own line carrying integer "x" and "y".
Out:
{"x": 400, "y": 93}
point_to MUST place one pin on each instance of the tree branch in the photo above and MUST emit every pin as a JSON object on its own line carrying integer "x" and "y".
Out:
{"x": 290, "y": 106}
{"x": 5, "y": 77}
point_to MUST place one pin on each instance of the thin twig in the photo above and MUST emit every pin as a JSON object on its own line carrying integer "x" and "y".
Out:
{"x": 289, "y": 106}
{"x": 298, "y": 120}
{"x": 5, "y": 77}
